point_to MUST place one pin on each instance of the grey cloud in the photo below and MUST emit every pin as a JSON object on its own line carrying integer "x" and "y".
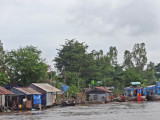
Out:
{"x": 98, "y": 23}
{"x": 136, "y": 17}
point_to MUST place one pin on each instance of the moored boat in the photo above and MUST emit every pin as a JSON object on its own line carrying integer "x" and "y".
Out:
{"x": 135, "y": 92}
{"x": 153, "y": 92}
{"x": 68, "y": 103}
{"x": 120, "y": 98}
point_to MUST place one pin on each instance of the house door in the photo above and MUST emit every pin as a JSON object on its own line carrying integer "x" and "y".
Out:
{"x": 43, "y": 99}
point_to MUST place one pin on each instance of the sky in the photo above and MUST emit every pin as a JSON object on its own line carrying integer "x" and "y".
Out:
{"x": 46, "y": 24}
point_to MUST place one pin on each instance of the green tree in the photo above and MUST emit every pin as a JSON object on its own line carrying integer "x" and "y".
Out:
{"x": 127, "y": 60}
{"x": 112, "y": 54}
{"x": 71, "y": 58}
{"x": 89, "y": 70}
{"x": 26, "y": 66}
{"x": 157, "y": 71}
{"x": 134, "y": 64}
{"x": 131, "y": 75}
{"x": 72, "y": 91}
{"x": 102, "y": 69}
{"x": 3, "y": 68}
{"x": 149, "y": 74}
{"x": 139, "y": 56}
{"x": 3, "y": 79}
{"x": 118, "y": 81}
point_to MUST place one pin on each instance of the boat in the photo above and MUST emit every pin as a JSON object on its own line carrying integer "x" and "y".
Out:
{"x": 68, "y": 103}
{"x": 153, "y": 92}
{"x": 134, "y": 92}
{"x": 120, "y": 98}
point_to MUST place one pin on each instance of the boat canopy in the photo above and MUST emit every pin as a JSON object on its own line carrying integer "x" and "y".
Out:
{"x": 129, "y": 88}
{"x": 157, "y": 83}
{"x": 135, "y": 83}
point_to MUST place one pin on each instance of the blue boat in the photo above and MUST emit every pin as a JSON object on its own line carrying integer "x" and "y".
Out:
{"x": 153, "y": 92}
{"x": 134, "y": 92}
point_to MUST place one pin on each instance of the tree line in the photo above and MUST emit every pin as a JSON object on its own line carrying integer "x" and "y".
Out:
{"x": 78, "y": 68}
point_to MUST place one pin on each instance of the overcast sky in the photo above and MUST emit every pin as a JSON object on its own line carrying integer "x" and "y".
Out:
{"x": 99, "y": 23}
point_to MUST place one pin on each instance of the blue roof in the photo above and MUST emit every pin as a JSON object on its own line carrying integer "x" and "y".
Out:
{"x": 157, "y": 83}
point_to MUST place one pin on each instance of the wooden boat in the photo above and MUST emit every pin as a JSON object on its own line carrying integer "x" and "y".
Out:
{"x": 134, "y": 92}
{"x": 120, "y": 98}
{"x": 153, "y": 92}
{"x": 68, "y": 103}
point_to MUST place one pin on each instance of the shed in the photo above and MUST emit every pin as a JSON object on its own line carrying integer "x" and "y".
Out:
{"x": 48, "y": 92}
{"x": 27, "y": 97}
{"x": 100, "y": 94}
{"x": 5, "y": 98}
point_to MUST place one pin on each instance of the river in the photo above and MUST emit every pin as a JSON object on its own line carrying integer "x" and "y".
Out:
{"x": 111, "y": 111}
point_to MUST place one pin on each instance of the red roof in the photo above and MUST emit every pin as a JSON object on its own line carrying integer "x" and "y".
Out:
{"x": 103, "y": 89}
{"x": 4, "y": 91}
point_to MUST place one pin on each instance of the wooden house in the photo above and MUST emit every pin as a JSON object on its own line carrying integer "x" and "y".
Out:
{"x": 25, "y": 97}
{"x": 5, "y": 99}
{"x": 48, "y": 97}
{"x": 99, "y": 94}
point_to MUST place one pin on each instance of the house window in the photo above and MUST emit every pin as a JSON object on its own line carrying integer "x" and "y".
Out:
{"x": 95, "y": 97}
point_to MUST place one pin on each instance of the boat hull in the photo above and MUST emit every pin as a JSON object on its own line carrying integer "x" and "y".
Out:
{"x": 68, "y": 103}
{"x": 120, "y": 99}
{"x": 135, "y": 98}
{"x": 153, "y": 97}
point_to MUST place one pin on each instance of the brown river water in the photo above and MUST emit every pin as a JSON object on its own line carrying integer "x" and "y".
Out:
{"x": 111, "y": 111}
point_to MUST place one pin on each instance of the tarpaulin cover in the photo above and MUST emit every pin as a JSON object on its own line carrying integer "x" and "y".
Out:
{"x": 107, "y": 93}
{"x": 157, "y": 83}
{"x": 132, "y": 91}
{"x": 157, "y": 90}
{"x": 64, "y": 87}
{"x": 36, "y": 99}
{"x": 150, "y": 88}
{"x": 144, "y": 91}
{"x": 154, "y": 90}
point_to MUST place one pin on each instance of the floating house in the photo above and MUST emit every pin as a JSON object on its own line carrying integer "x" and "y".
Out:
{"x": 25, "y": 97}
{"x": 5, "y": 99}
{"x": 99, "y": 94}
{"x": 48, "y": 97}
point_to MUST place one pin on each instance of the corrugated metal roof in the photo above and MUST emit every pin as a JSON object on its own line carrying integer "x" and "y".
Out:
{"x": 27, "y": 91}
{"x": 103, "y": 89}
{"x": 5, "y": 91}
{"x": 87, "y": 89}
{"x": 46, "y": 87}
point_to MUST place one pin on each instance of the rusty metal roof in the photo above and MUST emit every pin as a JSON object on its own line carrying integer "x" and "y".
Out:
{"x": 104, "y": 89}
{"x": 4, "y": 91}
{"x": 46, "y": 87}
{"x": 27, "y": 91}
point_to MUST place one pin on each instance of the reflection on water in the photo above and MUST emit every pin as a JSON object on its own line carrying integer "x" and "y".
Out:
{"x": 110, "y": 111}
